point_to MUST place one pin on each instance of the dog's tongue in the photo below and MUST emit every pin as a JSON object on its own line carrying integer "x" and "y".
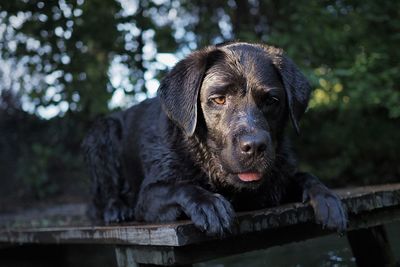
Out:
{"x": 249, "y": 176}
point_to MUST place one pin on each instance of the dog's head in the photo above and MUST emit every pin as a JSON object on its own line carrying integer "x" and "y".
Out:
{"x": 237, "y": 96}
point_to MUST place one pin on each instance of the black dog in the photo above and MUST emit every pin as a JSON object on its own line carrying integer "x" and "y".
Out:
{"x": 210, "y": 143}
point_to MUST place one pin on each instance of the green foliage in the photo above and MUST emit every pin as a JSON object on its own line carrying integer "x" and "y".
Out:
{"x": 40, "y": 158}
{"x": 66, "y": 48}
{"x": 345, "y": 148}
{"x": 36, "y": 175}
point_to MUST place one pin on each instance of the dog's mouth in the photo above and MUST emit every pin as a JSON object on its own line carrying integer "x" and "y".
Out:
{"x": 249, "y": 176}
{"x": 249, "y": 179}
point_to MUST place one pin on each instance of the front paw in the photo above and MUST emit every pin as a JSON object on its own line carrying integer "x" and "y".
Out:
{"x": 116, "y": 211}
{"x": 328, "y": 208}
{"x": 211, "y": 213}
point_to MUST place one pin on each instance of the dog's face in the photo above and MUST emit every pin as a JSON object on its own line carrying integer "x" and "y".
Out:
{"x": 238, "y": 98}
{"x": 243, "y": 105}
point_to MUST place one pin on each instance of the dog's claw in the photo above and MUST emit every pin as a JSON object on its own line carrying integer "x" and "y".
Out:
{"x": 305, "y": 198}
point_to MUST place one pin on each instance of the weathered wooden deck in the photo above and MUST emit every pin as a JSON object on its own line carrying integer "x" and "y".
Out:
{"x": 180, "y": 243}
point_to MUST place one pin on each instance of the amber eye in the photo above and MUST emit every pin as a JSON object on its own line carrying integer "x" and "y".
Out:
{"x": 220, "y": 100}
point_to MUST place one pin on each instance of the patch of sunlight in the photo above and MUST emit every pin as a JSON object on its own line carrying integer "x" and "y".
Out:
{"x": 338, "y": 87}
{"x": 324, "y": 83}
{"x": 321, "y": 71}
{"x": 319, "y": 97}
{"x": 327, "y": 93}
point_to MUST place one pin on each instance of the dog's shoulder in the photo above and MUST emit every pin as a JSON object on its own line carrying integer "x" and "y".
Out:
{"x": 146, "y": 109}
{"x": 147, "y": 129}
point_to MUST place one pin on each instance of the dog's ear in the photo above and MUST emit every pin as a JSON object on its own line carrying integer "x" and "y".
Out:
{"x": 179, "y": 90}
{"x": 296, "y": 85}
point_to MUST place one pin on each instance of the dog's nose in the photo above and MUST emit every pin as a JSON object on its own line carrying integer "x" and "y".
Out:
{"x": 254, "y": 144}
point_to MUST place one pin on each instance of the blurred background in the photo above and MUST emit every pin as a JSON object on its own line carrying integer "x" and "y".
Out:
{"x": 64, "y": 63}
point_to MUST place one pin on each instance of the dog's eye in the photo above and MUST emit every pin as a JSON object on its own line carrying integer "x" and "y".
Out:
{"x": 220, "y": 100}
{"x": 271, "y": 100}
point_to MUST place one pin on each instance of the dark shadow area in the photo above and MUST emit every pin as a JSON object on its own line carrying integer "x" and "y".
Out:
{"x": 59, "y": 255}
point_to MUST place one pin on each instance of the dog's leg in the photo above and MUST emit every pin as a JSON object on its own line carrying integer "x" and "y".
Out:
{"x": 103, "y": 156}
{"x": 167, "y": 200}
{"x": 327, "y": 206}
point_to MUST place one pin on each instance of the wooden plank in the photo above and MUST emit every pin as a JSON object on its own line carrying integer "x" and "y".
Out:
{"x": 125, "y": 258}
{"x": 203, "y": 251}
{"x": 360, "y": 200}
{"x": 68, "y": 214}
{"x": 172, "y": 256}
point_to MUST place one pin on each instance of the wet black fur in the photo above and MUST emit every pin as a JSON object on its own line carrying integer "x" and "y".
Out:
{"x": 161, "y": 160}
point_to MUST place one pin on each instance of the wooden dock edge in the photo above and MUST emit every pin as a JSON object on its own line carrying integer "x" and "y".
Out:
{"x": 180, "y": 243}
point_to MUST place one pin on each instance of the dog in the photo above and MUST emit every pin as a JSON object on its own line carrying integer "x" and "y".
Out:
{"x": 211, "y": 143}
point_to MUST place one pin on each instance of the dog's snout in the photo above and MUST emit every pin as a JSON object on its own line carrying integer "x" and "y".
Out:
{"x": 253, "y": 144}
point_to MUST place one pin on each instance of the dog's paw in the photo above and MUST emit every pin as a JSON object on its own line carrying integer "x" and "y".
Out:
{"x": 116, "y": 211}
{"x": 328, "y": 209}
{"x": 211, "y": 213}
